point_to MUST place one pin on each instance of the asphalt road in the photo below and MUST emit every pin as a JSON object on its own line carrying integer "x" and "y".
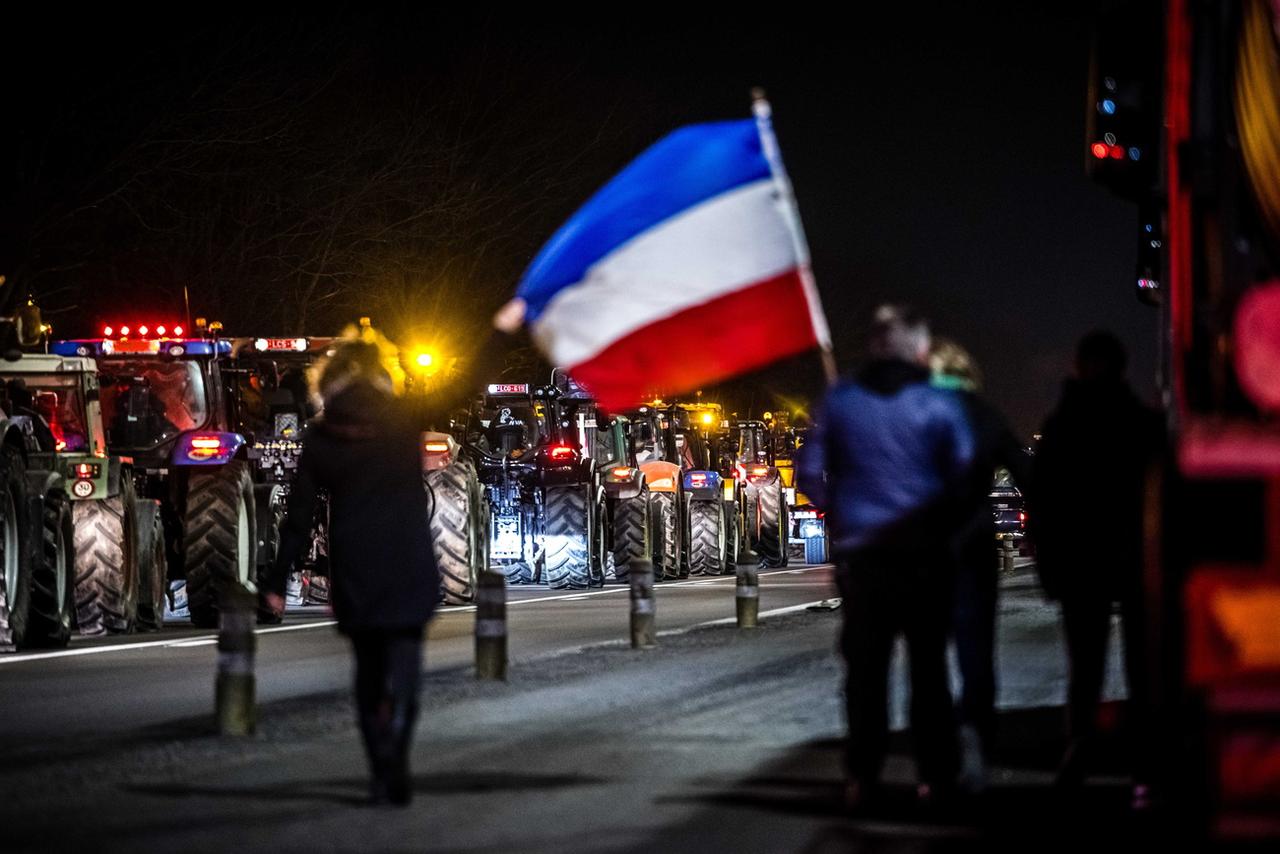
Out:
{"x": 107, "y": 688}
{"x": 718, "y": 740}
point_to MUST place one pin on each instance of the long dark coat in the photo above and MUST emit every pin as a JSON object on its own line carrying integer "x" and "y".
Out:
{"x": 365, "y": 453}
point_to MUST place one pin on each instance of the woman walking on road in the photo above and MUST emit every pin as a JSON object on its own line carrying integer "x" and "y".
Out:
{"x": 365, "y": 452}
{"x": 973, "y": 551}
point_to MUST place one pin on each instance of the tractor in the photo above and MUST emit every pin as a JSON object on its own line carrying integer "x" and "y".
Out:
{"x": 653, "y": 442}
{"x": 766, "y": 494}
{"x": 165, "y": 405}
{"x": 546, "y": 503}
{"x": 117, "y": 539}
{"x": 37, "y": 607}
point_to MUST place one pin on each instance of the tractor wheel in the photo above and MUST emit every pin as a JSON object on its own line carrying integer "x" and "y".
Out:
{"x": 567, "y": 539}
{"x": 53, "y": 577}
{"x": 107, "y": 563}
{"x": 706, "y": 537}
{"x": 217, "y": 536}
{"x": 664, "y": 513}
{"x": 774, "y": 526}
{"x": 454, "y": 520}
{"x": 751, "y": 514}
{"x": 153, "y": 566}
{"x": 16, "y": 607}
{"x": 269, "y": 514}
{"x": 630, "y": 534}
{"x": 599, "y": 546}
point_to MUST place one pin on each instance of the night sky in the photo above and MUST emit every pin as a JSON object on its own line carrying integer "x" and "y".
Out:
{"x": 936, "y": 155}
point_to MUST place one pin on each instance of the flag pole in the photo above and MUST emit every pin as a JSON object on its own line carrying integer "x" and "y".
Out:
{"x": 791, "y": 213}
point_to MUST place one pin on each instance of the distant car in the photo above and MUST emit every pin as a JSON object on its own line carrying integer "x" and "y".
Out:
{"x": 1008, "y": 513}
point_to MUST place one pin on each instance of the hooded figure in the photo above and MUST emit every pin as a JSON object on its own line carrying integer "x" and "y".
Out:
{"x": 1090, "y": 467}
{"x": 365, "y": 452}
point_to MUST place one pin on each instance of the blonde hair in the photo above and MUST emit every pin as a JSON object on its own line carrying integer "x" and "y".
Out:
{"x": 949, "y": 359}
{"x": 353, "y": 362}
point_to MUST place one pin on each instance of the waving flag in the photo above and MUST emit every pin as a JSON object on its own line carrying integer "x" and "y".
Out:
{"x": 687, "y": 268}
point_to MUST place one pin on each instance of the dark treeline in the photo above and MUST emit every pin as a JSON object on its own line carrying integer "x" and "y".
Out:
{"x": 291, "y": 172}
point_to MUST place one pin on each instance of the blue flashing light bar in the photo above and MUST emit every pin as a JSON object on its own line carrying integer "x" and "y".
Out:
{"x": 173, "y": 347}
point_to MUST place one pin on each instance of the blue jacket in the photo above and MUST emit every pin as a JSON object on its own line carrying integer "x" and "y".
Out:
{"x": 885, "y": 459}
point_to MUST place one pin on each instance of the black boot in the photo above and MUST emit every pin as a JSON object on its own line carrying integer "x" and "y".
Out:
{"x": 400, "y": 738}
{"x": 374, "y": 727}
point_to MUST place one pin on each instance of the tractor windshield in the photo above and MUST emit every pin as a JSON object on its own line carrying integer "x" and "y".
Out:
{"x": 146, "y": 402}
{"x": 510, "y": 427}
{"x": 752, "y": 445}
{"x": 56, "y": 399}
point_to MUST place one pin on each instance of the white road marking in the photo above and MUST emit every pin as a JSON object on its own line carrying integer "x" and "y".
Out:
{"x": 726, "y": 621}
{"x": 206, "y": 640}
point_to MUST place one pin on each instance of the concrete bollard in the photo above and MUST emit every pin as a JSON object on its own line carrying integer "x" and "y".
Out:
{"x": 236, "y": 690}
{"x": 491, "y": 626}
{"x": 747, "y": 595}
{"x": 643, "y": 635}
{"x": 1007, "y": 555}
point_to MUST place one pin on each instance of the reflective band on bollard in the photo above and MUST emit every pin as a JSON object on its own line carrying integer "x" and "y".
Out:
{"x": 235, "y": 690}
{"x": 643, "y": 635}
{"x": 747, "y": 596}
{"x": 491, "y": 626}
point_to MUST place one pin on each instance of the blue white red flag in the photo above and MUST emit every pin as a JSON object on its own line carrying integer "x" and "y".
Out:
{"x": 687, "y": 268}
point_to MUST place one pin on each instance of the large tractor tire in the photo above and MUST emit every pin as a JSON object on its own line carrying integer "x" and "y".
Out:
{"x": 456, "y": 531}
{"x": 107, "y": 577}
{"x": 775, "y": 526}
{"x": 734, "y": 544}
{"x": 218, "y": 536}
{"x": 15, "y": 610}
{"x": 664, "y": 513}
{"x": 631, "y": 528}
{"x": 153, "y": 566}
{"x": 706, "y": 537}
{"x": 601, "y": 556}
{"x": 568, "y": 554}
{"x": 16, "y": 576}
{"x": 751, "y": 515}
{"x": 53, "y": 576}
{"x": 268, "y": 515}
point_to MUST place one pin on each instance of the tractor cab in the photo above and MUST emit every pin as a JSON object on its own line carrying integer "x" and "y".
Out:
{"x": 506, "y": 422}
{"x": 157, "y": 390}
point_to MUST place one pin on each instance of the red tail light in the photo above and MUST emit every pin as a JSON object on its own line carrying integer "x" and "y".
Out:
{"x": 698, "y": 478}
{"x": 759, "y": 471}
{"x": 107, "y": 332}
{"x": 84, "y": 470}
{"x": 177, "y": 330}
{"x": 622, "y": 471}
{"x": 436, "y": 447}
{"x": 560, "y": 453}
{"x": 1022, "y": 518}
{"x": 206, "y": 443}
{"x": 142, "y": 330}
